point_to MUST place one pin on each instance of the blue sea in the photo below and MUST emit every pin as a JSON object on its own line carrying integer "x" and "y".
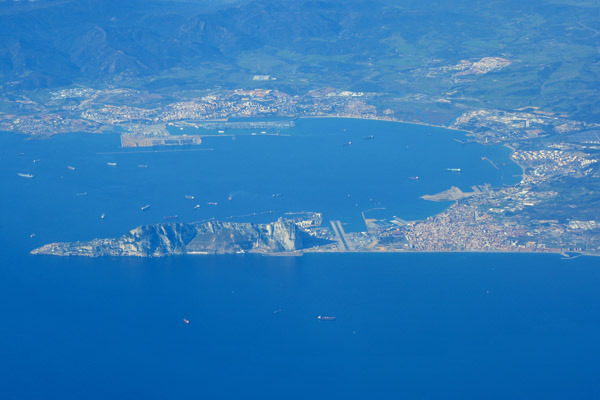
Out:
{"x": 415, "y": 326}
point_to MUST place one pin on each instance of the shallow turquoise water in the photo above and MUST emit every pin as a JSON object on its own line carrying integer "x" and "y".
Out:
{"x": 408, "y": 325}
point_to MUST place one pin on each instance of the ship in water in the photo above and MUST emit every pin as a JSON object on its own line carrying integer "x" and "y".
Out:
{"x": 23, "y": 175}
{"x": 189, "y": 197}
{"x": 102, "y": 216}
{"x": 325, "y": 318}
{"x": 142, "y": 166}
{"x": 276, "y": 195}
{"x": 212, "y": 203}
{"x": 414, "y": 178}
{"x": 196, "y": 206}
{"x": 230, "y": 197}
{"x": 347, "y": 144}
{"x": 71, "y": 168}
{"x": 370, "y": 137}
{"x": 112, "y": 164}
{"x": 453, "y": 169}
{"x": 186, "y": 321}
{"x": 144, "y": 208}
{"x": 168, "y": 217}
{"x": 36, "y": 161}
{"x": 81, "y": 194}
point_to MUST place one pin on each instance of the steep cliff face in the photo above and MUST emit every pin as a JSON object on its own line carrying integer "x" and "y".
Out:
{"x": 209, "y": 237}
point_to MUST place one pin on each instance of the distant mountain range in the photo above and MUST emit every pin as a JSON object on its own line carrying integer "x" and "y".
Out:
{"x": 375, "y": 45}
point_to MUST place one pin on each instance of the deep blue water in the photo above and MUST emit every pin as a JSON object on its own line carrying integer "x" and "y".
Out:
{"x": 424, "y": 326}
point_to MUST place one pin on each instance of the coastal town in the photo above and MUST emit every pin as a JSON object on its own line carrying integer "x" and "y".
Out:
{"x": 555, "y": 152}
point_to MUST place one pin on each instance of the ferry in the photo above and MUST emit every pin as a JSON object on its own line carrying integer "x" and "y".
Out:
{"x": 325, "y": 318}
{"x": 189, "y": 197}
{"x": 147, "y": 206}
{"x": 24, "y": 175}
{"x": 71, "y": 168}
{"x": 112, "y": 164}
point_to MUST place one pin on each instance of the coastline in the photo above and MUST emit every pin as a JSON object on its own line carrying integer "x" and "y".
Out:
{"x": 386, "y": 120}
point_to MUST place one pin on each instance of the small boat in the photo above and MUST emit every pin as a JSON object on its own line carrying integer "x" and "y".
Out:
{"x": 167, "y": 217}
{"x": 325, "y": 318}
{"x": 102, "y": 216}
{"x": 25, "y": 175}
{"x": 189, "y": 197}
{"x": 230, "y": 197}
{"x": 71, "y": 168}
{"x": 276, "y": 312}
{"x": 36, "y": 161}
{"x": 147, "y": 206}
{"x": 221, "y": 131}
{"x": 453, "y": 169}
{"x": 112, "y": 164}
{"x": 81, "y": 194}
{"x": 196, "y": 206}
{"x": 32, "y": 235}
{"x": 142, "y": 166}
{"x": 212, "y": 203}
{"x": 370, "y": 137}
{"x": 186, "y": 321}
{"x": 276, "y": 195}
{"x": 347, "y": 144}
{"x": 414, "y": 178}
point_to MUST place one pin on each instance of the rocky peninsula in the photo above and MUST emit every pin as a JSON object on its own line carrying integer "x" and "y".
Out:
{"x": 214, "y": 237}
